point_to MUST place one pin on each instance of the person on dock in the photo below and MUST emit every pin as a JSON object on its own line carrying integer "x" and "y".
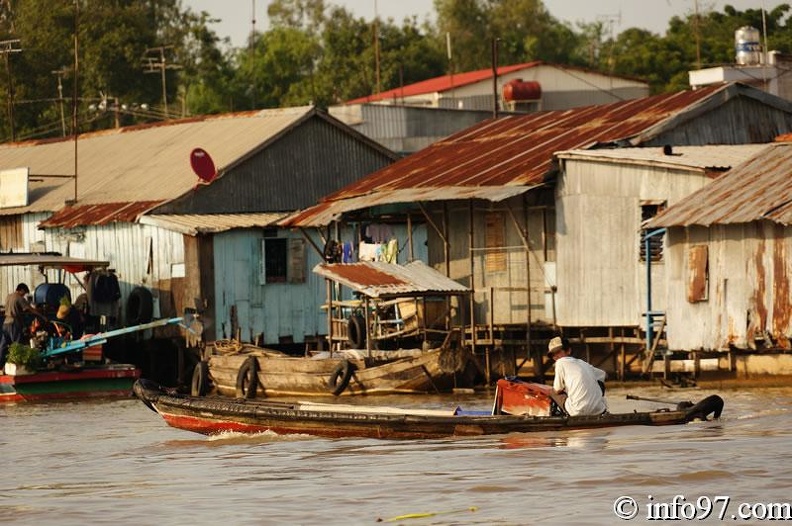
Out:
{"x": 16, "y": 306}
{"x": 582, "y": 383}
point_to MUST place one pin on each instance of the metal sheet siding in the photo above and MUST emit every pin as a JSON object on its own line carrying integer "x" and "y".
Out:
{"x": 310, "y": 161}
{"x": 598, "y": 218}
{"x": 115, "y": 243}
{"x": 750, "y": 268}
{"x": 277, "y": 309}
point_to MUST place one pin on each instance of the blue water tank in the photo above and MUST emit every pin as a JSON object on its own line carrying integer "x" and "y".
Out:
{"x": 51, "y": 294}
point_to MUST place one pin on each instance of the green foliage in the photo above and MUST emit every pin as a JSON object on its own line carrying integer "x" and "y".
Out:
{"x": 312, "y": 53}
{"x": 21, "y": 354}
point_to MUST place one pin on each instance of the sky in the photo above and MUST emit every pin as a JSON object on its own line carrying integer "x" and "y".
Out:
{"x": 236, "y": 15}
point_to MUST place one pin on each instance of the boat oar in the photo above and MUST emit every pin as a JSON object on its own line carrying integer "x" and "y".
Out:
{"x": 680, "y": 405}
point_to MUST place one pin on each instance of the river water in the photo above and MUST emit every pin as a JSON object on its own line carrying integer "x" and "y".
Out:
{"x": 117, "y": 462}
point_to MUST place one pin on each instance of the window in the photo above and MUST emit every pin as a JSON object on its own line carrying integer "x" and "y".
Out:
{"x": 495, "y": 259}
{"x": 698, "y": 273}
{"x": 649, "y": 209}
{"x": 283, "y": 260}
{"x": 11, "y": 237}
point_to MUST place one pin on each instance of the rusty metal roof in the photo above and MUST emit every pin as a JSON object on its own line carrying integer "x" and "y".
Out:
{"x": 192, "y": 224}
{"x": 144, "y": 163}
{"x": 517, "y": 150}
{"x": 99, "y": 214}
{"x": 713, "y": 157}
{"x": 759, "y": 189}
{"x": 323, "y": 215}
{"x": 381, "y": 280}
{"x": 50, "y": 260}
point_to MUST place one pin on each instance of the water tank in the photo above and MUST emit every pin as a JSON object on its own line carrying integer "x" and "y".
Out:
{"x": 518, "y": 90}
{"x": 747, "y": 46}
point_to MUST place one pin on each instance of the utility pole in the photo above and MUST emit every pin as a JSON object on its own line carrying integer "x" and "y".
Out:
{"x": 6, "y": 48}
{"x": 161, "y": 67}
{"x": 376, "y": 47}
{"x": 60, "y": 73}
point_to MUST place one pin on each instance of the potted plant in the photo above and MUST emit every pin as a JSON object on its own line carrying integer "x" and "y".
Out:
{"x": 22, "y": 359}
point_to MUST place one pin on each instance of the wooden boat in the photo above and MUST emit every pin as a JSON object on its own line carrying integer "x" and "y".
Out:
{"x": 90, "y": 381}
{"x": 65, "y": 368}
{"x": 242, "y": 370}
{"x": 66, "y": 373}
{"x": 213, "y": 415}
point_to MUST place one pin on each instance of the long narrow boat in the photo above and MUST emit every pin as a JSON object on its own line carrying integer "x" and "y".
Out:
{"x": 100, "y": 381}
{"x": 214, "y": 415}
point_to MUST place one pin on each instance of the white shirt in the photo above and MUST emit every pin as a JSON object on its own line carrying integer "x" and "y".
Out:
{"x": 579, "y": 380}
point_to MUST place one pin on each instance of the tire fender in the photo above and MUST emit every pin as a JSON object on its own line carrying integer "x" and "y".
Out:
{"x": 139, "y": 306}
{"x": 356, "y": 331}
{"x": 339, "y": 378}
{"x": 200, "y": 379}
{"x": 247, "y": 379}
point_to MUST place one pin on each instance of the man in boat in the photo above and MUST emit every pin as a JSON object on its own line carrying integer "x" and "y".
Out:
{"x": 581, "y": 382}
{"x": 16, "y": 306}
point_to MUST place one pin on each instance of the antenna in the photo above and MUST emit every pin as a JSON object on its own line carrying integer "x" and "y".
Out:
{"x": 6, "y": 48}
{"x": 153, "y": 66}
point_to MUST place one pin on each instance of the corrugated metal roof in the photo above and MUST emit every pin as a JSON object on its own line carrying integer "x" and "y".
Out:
{"x": 720, "y": 157}
{"x": 51, "y": 260}
{"x": 210, "y": 223}
{"x": 759, "y": 189}
{"x": 457, "y": 80}
{"x": 443, "y": 83}
{"x": 100, "y": 214}
{"x": 379, "y": 280}
{"x": 325, "y": 213}
{"x": 517, "y": 150}
{"x": 139, "y": 163}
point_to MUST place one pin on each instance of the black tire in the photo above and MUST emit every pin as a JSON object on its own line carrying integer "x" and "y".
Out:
{"x": 356, "y": 331}
{"x": 339, "y": 378}
{"x": 713, "y": 404}
{"x": 247, "y": 379}
{"x": 139, "y": 306}
{"x": 200, "y": 379}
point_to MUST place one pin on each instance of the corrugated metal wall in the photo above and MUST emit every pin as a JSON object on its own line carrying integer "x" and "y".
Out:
{"x": 740, "y": 121}
{"x": 601, "y": 282}
{"x": 309, "y": 162}
{"x": 503, "y": 272}
{"x": 281, "y": 312}
{"x": 748, "y": 300}
{"x": 120, "y": 244}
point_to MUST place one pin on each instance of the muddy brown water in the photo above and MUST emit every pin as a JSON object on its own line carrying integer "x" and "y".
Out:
{"x": 116, "y": 462}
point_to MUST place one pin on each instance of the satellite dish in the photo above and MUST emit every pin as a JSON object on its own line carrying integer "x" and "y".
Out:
{"x": 202, "y": 165}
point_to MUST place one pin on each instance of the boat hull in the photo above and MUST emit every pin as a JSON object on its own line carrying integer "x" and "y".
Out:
{"x": 94, "y": 382}
{"x": 416, "y": 372}
{"x": 215, "y": 415}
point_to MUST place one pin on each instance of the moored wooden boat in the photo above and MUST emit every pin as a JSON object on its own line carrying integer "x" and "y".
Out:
{"x": 93, "y": 381}
{"x": 214, "y": 415}
{"x": 250, "y": 372}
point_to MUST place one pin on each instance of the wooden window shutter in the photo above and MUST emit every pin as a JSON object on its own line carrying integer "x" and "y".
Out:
{"x": 296, "y": 260}
{"x": 698, "y": 273}
{"x": 11, "y": 233}
{"x": 495, "y": 260}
